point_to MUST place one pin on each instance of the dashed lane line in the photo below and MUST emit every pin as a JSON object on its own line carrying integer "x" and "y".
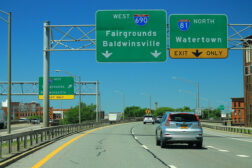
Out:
{"x": 172, "y": 166}
{"x": 243, "y": 156}
{"x": 223, "y": 150}
{"x": 145, "y": 147}
{"x": 218, "y": 149}
{"x": 148, "y": 150}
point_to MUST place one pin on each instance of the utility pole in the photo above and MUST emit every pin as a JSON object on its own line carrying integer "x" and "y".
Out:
{"x": 97, "y": 102}
{"x": 156, "y": 106}
{"x": 46, "y": 56}
{"x": 79, "y": 100}
{"x": 9, "y": 71}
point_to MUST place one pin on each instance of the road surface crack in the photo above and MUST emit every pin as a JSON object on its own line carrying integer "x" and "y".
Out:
{"x": 99, "y": 147}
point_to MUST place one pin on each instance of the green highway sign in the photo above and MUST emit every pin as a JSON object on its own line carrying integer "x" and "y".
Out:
{"x": 131, "y": 36}
{"x": 59, "y": 88}
{"x": 221, "y": 107}
{"x": 198, "y": 36}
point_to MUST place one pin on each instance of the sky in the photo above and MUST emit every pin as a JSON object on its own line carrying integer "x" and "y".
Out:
{"x": 219, "y": 79}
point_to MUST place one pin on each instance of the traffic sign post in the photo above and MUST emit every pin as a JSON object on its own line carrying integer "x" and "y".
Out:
{"x": 198, "y": 112}
{"x": 198, "y": 36}
{"x": 221, "y": 107}
{"x": 147, "y": 111}
{"x": 131, "y": 36}
{"x": 59, "y": 88}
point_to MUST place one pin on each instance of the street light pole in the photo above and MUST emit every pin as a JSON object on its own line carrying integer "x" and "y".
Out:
{"x": 198, "y": 94}
{"x": 193, "y": 83}
{"x": 9, "y": 71}
{"x": 149, "y": 99}
{"x": 123, "y": 101}
{"x": 97, "y": 102}
{"x": 79, "y": 99}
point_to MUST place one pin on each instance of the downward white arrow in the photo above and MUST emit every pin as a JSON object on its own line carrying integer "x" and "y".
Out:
{"x": 107, "y": 54}
{"x": 155, "y": 54}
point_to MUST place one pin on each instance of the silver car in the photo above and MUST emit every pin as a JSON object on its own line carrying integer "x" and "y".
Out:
{"x": 179, "y": 127}
{"x": 148, "y": 119}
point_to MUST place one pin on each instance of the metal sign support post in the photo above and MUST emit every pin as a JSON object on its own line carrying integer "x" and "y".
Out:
{"x": 9, "y": 74}
{"x": 79, "y": 99}
{"x": 46, "y": 59}
{"x": 9, "y": 70}
{"x": 97, "y": 102}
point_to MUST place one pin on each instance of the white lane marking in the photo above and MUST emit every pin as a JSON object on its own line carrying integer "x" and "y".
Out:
{"x": 145, "y": 147}
{"x": 212, "y": 147}
{"x": 244, "y": 156}
{"x": 244, "y": 140}
{"x": 135, "y": 137}
{"x": 221, "y": 150}
{"x": 226, "y": 135}
{"x": 172, "y": 166}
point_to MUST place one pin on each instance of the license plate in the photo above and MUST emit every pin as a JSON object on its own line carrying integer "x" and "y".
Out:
{"x": 184, "y": 127}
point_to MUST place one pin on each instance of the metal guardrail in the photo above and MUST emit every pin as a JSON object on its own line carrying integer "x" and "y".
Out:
{"x": 213, "y": 121}
{"x": 15, "y": 143}
{"x": 229, "y": 128}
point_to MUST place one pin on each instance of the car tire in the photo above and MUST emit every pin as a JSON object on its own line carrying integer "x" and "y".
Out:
{"x": 162, "y": 142}
{"x": 157, "y": 141}
{"x": 199, "y": 144}
{"x": 190, "y": 144}
{"x": 144, "y": 122}
{"x": 153, "y": 123}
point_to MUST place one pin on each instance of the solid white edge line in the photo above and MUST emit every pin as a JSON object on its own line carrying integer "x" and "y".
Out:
{"x": 172, "y": 166}
{"x": 244, "y": 140}
{"x": 135, "y": 137}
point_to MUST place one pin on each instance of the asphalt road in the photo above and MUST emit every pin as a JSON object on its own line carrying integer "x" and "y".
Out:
{"x": 15, "y": 128}
{"x": 115, "y": 146}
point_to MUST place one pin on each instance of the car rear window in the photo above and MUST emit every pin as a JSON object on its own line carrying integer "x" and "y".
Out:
{"x": 183, "y": 117}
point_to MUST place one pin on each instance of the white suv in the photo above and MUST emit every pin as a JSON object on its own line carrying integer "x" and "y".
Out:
{"x": 148, "y": 119}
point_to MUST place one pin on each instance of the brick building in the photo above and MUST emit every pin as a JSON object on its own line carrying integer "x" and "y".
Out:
{"x": 24, "y": 110}
{"x": 238, "y": 112}
{"x": 247, "y": 64}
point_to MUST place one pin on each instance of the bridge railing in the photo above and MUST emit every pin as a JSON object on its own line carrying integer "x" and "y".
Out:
{"x": 16, "y": 143}
{"x": 244, "y": 130}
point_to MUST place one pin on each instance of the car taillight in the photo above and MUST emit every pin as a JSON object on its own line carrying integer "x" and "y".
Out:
{"x": 167, "y": 123}
{"x": 198, "y": 120}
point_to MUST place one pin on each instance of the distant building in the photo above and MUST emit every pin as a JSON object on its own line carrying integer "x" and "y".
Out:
{"x": 238, "y": 112}
{"x": 58, "y": 114}
{"x": 247, "y": 72}
{"x": 24, "y": 110}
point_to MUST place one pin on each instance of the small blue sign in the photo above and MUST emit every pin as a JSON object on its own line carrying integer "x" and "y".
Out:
{"x": 184, "y": 24}
{"x": 141, "y": 20}
{"x": 50, "y": 81}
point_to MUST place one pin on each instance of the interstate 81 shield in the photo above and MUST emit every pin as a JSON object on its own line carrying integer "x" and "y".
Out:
{"x": 183, "y": 24}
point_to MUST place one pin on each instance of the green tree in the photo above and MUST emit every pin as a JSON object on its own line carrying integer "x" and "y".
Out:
{"x": 134, "y": 111}
{"x": 161, "y": 110}
{"x": 213, "y": 113}
{"x": 34, "y": 117}
{"x": 87, "y": 113}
